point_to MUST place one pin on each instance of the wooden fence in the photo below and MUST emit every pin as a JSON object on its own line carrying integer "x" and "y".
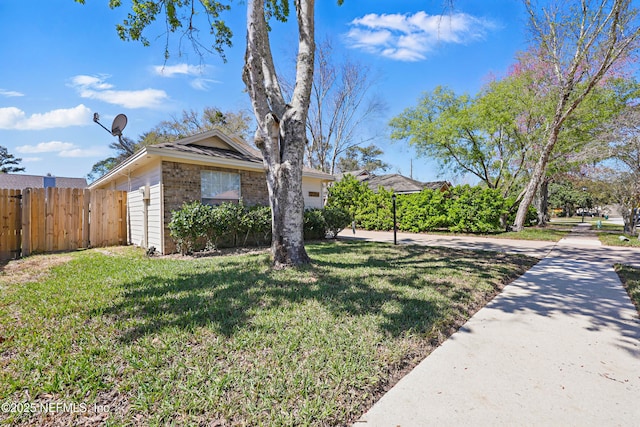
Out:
{"x": 39, "y": 220}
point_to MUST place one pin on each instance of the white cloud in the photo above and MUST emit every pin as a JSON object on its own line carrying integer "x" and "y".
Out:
{"x": 63, "y": 149}
{"x": 10, "y": 93}
{"x": 83, "y": 152}
{"x": 412, "y": 37}
{"x": 199, "y": 71}
{"x": 184, "y": 69}
{"x": 15, "y": 118}
{"x": 45, "y": 147}
{"x": 95, "y": 87}
{"x": 202, "y": 84}
{"x": 91, "y": 81}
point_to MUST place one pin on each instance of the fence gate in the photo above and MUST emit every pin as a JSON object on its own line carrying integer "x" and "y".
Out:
{"x": 10, "y": 224}
{"x": 60, "y": 219}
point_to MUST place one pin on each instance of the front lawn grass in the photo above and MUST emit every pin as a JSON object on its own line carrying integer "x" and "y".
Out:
{"x": 630, "y": 278}
{"x": 613, "y": 239}
{"x": 131, "y": 340}
{"x": 548, "y": 233}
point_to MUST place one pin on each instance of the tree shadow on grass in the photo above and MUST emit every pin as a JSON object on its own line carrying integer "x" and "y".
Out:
{"x": 227, "y": 294}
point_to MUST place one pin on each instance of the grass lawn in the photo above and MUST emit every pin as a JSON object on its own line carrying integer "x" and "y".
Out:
{"x": 613, "y": 239}
{"x": 226, "y": 340}
{"x": 630, "y": 278}
{"x": 548, "y": 233}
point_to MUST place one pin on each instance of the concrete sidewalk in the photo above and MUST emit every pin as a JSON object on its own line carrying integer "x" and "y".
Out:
{"x": 560, "y": 346}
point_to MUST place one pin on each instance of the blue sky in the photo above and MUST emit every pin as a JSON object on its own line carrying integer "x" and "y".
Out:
{"x": 63, "y": 61}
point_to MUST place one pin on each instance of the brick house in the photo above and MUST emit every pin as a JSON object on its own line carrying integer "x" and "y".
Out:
{"x": 211, "y": 167}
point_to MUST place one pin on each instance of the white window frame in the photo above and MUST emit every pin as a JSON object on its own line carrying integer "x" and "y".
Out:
{"x": 207, "y": 190}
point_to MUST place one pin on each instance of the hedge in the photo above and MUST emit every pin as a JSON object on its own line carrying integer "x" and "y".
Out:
{"x": 196, "y": 227}
{"x": 461, "y": 209}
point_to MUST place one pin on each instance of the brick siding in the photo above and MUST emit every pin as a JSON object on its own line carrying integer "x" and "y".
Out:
{"x": 181, "y": 183}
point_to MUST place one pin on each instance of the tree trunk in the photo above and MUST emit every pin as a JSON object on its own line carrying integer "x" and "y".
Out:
{"x": 536, "y": 178}
{"x": 284, "y": 181}
{"x": 281, "y": 134}
{"x": 542, "y": 204}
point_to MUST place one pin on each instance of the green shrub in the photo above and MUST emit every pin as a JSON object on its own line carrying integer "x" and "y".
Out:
{"x": 377, "y": 213}
{"x": 189, "y": 226}
{"x": 315, "y": 227}
{"x": 196, "y": 226}
{"x": 424, "y": 211}
{"x": 231, "y": 214}
{"x": 257, "y": 222}
{"x": 218, "y": 225}
{"x": 336, "y": 219}
{"x": 475, "y": 209}
{"x": 349, "y": 194}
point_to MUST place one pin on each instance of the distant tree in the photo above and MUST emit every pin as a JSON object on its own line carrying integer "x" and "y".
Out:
{"x": 568, "y": 196}
{"x": 357, "y": 157}
{"x": 102, "y": 167}
{"x": 489, "y": 136}
{"x": 191, "y": 122}
{"x": 579, "y": 144}
{"x": 124, "y": 147}
{"x": 622, "y": 141}
{"x": 622, "y": 138}
{"x": 341, "y": 103}
{"x": 8, "y": 162}
{"x": 623, "y": 189}
{"x": 576, "y": 48}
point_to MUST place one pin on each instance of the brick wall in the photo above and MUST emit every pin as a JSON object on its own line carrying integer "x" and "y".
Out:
{"x": 181, "y": 183}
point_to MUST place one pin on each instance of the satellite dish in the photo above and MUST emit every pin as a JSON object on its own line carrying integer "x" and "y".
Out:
{"x": 119, "y": 123}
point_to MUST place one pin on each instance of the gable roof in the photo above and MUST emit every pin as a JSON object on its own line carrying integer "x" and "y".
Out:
{"x": 396, "y": 182}
{"x": 212, "y": 147}
{"x": 208, "y": 151}
{"x": 401, "y": 184}
{"x": 360, "y": 174}
{"x": 20, "y": 181}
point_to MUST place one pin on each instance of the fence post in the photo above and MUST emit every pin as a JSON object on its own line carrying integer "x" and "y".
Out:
{"x": 26, "y": 222}
{"x": 85, "y": 217}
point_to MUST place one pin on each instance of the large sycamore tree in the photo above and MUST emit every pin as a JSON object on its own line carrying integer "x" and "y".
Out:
{"x": 579, "y": 44}
{"x": 281, "y": 122}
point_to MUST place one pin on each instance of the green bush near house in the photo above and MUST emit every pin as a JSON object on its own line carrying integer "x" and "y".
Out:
{"x": 336, "y": 219}
{"x": 475, "y": 209}
{"x": 314, "y": 224}
{"x": 190, "y": 227}
{"x": 461, "y": 209}
{"x": 196, "y": 227}
{"x": 424, "y": 211}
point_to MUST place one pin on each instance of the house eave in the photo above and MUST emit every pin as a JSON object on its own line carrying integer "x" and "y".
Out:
{"x": 150, "y": 152}
{"x": 118, "y": 169}
{"x": 167, "y": 154}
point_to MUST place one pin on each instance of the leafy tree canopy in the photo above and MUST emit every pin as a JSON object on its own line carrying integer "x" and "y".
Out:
{"x": 357, "y": 157}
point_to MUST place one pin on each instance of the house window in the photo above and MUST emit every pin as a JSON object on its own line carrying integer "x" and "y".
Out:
{"x": 218, "y": 187}
{"x": 314, "y": 194}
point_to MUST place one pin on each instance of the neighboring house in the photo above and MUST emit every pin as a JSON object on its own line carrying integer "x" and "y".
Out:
{"x": 211, "y": 167}
{"x": 401, "y": 184}
{"x": 360, "y": 175}
{"x": 397, "y": 183}
{"x": 16, "y": 181}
